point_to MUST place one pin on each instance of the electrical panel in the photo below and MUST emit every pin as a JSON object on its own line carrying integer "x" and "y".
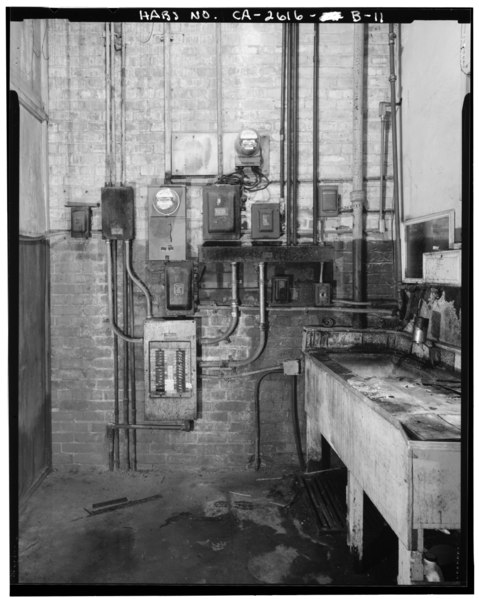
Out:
{"x": 328, "y": 200}
{"x": 117, "y": 213}
{"x": 265, "y": 220}
{"x": 281, "y": 287}
{"x": 221, "y": 212}
{"x": 167, "y": 222}
{"x": 170, "y": 370}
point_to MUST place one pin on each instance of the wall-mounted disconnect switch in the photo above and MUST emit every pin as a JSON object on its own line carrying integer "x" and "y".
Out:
{"x": 328, "y": 201}
{"x": 221, "y": 212}
{"x": 265, "y": 220}
{"x": 322, "y": 294}
{"x": 167, "y": 222}
{"x": 170, "y": 369}
{"x": 281, "y": 289}
{"x": 81, "y": 219}
{"x": 117, "y": 213}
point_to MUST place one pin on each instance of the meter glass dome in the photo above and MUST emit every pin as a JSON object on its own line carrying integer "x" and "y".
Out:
{"x": 166, "y": 201}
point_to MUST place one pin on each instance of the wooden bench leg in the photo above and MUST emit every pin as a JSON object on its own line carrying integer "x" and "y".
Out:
{"x": 410, "y": 566}
{"x": 355, "y": 518}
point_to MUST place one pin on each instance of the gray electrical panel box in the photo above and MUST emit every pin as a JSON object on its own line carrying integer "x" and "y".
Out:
{"x": 265, "y": 220}
{"x": 221, "y": 212}
{"x": 170, "y": 369}
{"x": 167, "y": 222}
{"x": 117, "y": 213}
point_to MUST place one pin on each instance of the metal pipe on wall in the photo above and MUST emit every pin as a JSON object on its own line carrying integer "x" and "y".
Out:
{"x": 132, "y": 363}
{"x": 112, "y": 103}
{"x": 137, "y": 281}
{"x": 122, "y": 107}
{"x": 282, "y": 112}
{"x": 126, "y": 366}
{"x": 234, "y": 310}
{"x": 219, "y": 99}
{"x": 167, "y": 104}
{"x": 288, "y": 134}
{"x": 111, "y": 314}
{"x": 294, "y": 127}
{"x": 262, "y": 331}
{"x": 315, "y": 131}
{"x": 397, "y": 211}
{"x": 116, "y": 367}
{"x": 358, "y": 195}
{"x": 107, "y": 105}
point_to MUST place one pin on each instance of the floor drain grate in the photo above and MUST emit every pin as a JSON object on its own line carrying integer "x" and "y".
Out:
{"x": 326, "y": 490}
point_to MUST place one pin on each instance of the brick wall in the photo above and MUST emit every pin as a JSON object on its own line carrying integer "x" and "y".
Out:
{"x": 82, "y": 359}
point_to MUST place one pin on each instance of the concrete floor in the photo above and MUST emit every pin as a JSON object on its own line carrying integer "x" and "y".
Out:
{"x": 207, "y": 528}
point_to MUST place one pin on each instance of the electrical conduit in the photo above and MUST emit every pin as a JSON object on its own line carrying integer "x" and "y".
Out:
{"x": 111, "y": 315}
{"x": 234, "y": 310}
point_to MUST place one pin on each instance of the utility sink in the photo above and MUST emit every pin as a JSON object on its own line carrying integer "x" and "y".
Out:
{"x": 426, "y": 401}
{"x": 395, "y": 423}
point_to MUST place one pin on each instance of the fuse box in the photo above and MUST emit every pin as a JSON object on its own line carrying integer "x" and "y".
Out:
{"x": 281, "y": 287}
{"x": 221, "y": 212}
{"x": 167, "y": 222}
{"x": 170, "y": 369}
{"x": 328, "y": 201}
{"x": 117, "y": 213}
{"x": 265, "y": 220}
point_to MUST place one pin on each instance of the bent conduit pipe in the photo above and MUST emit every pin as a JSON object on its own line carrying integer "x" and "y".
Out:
{"x": 262, "y": 323}
{"x": 234, "y": 310}
{"x": 111, "y": 316}
{"x": 262, "y": 333}
{"x": 294, "y": 412}
{"x": 137, "y": 281}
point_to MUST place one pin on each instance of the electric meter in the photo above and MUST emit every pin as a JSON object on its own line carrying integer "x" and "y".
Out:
{"x": 166, "y": 201}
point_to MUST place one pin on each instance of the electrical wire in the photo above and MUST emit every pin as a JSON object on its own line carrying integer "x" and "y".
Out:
{"x": 258, "y": 182}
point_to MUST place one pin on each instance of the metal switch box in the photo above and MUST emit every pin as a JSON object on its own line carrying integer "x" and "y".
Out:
{"x": 265, "y": 221}
{"x": 170, "y": 369}
{"x": 179, "y": 286}
{"x": 221, "y": 212}
{"x": 328, "y": 200}
{"x": 117, "y": 213}
{"x": 166, "y": 222}
{"x": 322, "y": 294}
{"x": 281, "y": 289}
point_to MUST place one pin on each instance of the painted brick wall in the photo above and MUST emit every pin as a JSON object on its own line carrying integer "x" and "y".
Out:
{"x": 82, "y": 360}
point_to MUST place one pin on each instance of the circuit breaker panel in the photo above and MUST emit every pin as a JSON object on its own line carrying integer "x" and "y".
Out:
{"x": 170, "y": 370}
{"x": 167, "y": 222}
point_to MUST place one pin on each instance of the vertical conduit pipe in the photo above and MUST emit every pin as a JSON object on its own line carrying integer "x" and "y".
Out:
{"x": 107, "y": 105}
{"x": 219, "y": 99}
{"x": 397, "y": 213}
{"x": 257, "y": 420}
{"x": 294, "y": 155}
{"x": 132, "y": 364}
{"x": 112, "y": 103}
{"x": 137, "y": 281}
{"x": 112, "y": 262}
{"x": 357, "y": 195}
{"x": 282, "y": 112}
{"x": 126, "y": 366}
{"x": 288, "y": 133}
{"x": 315, "y": 131}
{"x": 122, "y": 106}
{"x": 167, "y": 105}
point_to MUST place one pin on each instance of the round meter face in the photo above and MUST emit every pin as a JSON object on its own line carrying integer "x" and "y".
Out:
{"x": 166, "y": 201}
